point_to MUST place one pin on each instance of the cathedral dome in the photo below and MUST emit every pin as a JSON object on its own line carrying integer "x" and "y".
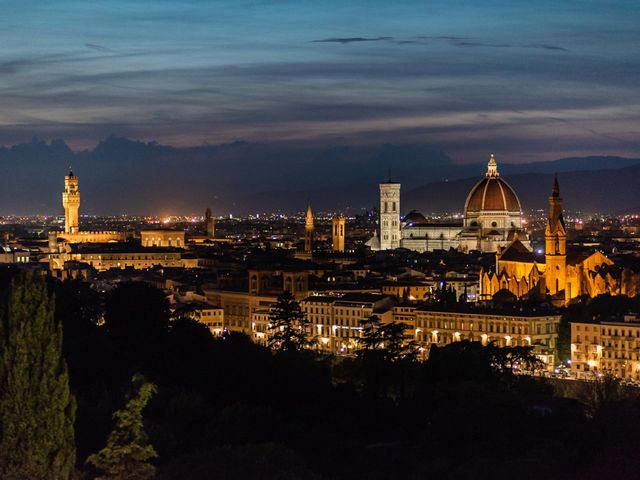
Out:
{"x": 414, "y": 217}
{"x": 492, "y": 193}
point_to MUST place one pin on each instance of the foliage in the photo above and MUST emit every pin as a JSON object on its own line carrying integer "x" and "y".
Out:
{"x": 386, "y": 340}
{"x": 137, "y": 307}
{"x": 128, "y": 452}
{"x": 288, "y": 325}
{"x": 37, "y": 409}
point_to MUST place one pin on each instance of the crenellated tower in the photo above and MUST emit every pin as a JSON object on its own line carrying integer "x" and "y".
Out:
{"x": 308, "y": 231}
{"x": 555, "y": 244}
{"x": 71, "y": 203}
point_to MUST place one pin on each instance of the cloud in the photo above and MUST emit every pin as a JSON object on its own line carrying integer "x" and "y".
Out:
{"x": 98, "y": 48}
{"x": 509, "y": 45}
{"x": 345, "y": 40}
{"x": 547, "y": 47}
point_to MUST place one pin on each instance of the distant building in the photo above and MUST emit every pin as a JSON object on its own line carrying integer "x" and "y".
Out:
{"x": 337, "y": 320}
{"x": 389, "y": 216}
{"x": 162, "y": 237}
{"x": 563, "y": 274}
{"x": 338, "y": 233}
{"x": 209, "y": 224}
{"x": 209, "y": 315}
{"x": 72, "y": 232}
{"x": 492, "y": 219}
{"x": 105, "y": 256}
{"x": 71, "y": 203}
{"x": 308, "y": 231}
{"x": 608, "y": 346}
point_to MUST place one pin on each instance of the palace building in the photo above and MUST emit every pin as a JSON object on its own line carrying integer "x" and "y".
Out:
{"x": 492, "y": 219}
{"x": 72, "y": 232}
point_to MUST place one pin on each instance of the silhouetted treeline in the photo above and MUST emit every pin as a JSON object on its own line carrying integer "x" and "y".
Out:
{"x": 227, "y": 408}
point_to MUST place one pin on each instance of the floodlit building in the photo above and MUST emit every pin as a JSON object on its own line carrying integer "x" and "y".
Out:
{"x": 162, "y": 237}
{"x": 442, "y": 326}
{"x": 72, "y": 232}
{"x": 492, "y": 218}
{"x": 611, "y": 347}
{"x": 338, "y": 224}
{"x": 563, "y": 274}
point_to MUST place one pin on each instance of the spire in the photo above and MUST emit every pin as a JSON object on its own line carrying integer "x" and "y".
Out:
{"x": 309, "y": 217}
{"x": 555, "y": 190}
{"x": 492, "y": 167}
{"x": 555, "y": 205}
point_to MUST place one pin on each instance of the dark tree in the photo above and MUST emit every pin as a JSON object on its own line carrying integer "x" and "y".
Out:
{"x": 288, "y": 325}
{"x": 386, "y": 341}
{"x": 37, "y": 410}
{"x": 137, "y": 308}
{"x": 128, "y": 453}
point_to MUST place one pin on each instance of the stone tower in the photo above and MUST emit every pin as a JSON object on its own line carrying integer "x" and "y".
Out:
{"x": 209, "y": 224}
{"x": 338, "y": 233}
{"x": 555, "y": 234}
{"x": 71, "y": 203}
{"x": 389, "y": 215}
{"x": 308, "y": 231}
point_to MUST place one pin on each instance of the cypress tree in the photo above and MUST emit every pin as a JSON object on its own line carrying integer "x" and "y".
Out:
{"x": 128, "y": 452}
{"x": 37, "y": 410}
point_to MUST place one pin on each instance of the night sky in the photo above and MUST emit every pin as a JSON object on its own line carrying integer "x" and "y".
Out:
{"x": 533, "y": 80}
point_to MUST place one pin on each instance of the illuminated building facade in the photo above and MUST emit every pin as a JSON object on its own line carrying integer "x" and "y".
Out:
{"x": 611, "y": 347}
{"x": 308, "y": 232}
{"x": 563, "y": 274}
{"x": 492, "y": 219}
{"x": 338, "y": 224}
{"x": 162, "y": 238}
{"x": 71, "y": 205}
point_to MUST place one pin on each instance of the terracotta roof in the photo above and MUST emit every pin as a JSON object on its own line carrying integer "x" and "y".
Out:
{"x": 415, "y": 217}
{"x": 517, "y": 252}
{"x": 492, "y": 193}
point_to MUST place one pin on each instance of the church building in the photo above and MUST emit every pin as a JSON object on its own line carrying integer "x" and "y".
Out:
{"x": 562, "y": 274}
{"x": 492, "y": 219}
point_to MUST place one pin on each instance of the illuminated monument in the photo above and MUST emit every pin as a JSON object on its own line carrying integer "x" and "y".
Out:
{"x": 308, "y": 231}
{"x": 71, "y": 203}
{"x": 389, "y": 215}
{"x": 492, "y": 219}
{"x": 72, "y": 232}
{"x": 338, "y": 233}
{"x": 563, "y": 274}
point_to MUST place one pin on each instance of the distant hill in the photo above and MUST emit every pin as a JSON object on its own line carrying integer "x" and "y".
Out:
{"x": 125, "y": 176}
{"x": 608, "y": 191}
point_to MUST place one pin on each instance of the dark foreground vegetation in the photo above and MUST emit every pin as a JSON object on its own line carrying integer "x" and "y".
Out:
{"x": 225, "y": 408}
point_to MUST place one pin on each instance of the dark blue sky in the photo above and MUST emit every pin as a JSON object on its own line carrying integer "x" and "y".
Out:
{"x": 529, "y": 80}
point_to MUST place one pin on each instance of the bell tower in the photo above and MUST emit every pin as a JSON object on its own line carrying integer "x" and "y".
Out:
{"x": 209, "y": 224}
{"x": 338, "y": 233}
{"x": 71, "y": 203}
{"x": 389, "y": 215}
{"x": 555, "y": 272}
{"x": 308, "y": 231}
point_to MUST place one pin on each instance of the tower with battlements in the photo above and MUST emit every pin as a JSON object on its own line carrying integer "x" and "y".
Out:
{"x": 71, "y": 203}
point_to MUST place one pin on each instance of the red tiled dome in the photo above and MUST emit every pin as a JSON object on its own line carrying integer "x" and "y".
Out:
{"x": 492, "y": 193}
